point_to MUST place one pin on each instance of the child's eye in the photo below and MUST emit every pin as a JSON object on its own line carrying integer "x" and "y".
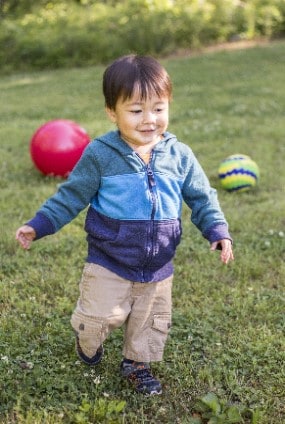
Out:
{"x": 136, "y": 111}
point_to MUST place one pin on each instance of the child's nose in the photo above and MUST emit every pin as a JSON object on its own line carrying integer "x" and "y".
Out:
{"x": 148, "y": 117}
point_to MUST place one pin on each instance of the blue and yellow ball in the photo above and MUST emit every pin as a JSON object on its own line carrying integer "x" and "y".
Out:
{"x": 238, "y": 173}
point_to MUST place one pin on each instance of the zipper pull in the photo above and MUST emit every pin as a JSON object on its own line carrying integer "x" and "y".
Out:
{"x": 150, "y": 176}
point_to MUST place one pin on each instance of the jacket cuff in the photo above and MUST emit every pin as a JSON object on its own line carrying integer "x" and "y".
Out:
{"x": 217, "y": 232}
{"x": 42, "y": 225}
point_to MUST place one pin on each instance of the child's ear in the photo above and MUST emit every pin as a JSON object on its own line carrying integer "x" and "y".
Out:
{"x": 111, "y": 114}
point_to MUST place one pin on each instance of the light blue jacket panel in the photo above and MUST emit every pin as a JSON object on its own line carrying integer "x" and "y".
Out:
{"x": 113, "y": 179}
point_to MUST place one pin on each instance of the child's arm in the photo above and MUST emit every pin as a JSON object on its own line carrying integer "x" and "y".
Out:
{"x": 71, "y": 198}
{"x": 226, "y": 249}
{"x": 206, "y": 211}
{"x": 25, "y": 235}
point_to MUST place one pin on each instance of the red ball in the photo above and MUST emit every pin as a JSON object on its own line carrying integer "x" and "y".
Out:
{"x": 57, "y": 146}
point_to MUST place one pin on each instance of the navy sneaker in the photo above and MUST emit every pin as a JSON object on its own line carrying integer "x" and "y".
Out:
{"x": 138, "y": 373}
{"x": 94, "y": 360}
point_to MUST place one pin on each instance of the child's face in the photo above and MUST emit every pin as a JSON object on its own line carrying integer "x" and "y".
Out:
{"x": 141, "y": 122}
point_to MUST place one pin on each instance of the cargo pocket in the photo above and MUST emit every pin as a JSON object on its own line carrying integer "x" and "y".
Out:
{"x": 91, "y": 332}
{"x": 159, "y": 331}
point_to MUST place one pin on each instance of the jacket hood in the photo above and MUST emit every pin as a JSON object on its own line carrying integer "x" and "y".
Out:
{"x": 114, "y": 140}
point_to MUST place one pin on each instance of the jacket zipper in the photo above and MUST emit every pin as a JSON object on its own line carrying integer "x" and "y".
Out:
{"x": 151, "y": 185}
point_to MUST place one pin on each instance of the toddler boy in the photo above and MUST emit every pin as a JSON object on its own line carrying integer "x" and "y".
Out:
{"x": 134, "y": 181}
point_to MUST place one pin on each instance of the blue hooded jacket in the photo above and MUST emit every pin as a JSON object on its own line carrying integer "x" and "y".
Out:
{"x": 133, "y": 222}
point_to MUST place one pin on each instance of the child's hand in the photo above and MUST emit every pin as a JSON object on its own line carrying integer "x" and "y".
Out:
{"x": 226, "y": 246}
{"x": 25, "y": 235}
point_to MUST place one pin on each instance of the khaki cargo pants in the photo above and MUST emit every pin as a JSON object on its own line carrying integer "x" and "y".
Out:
{"x": 108, "y": 301}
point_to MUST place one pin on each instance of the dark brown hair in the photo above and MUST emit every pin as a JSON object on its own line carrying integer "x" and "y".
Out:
{"x": 132, "y": 72}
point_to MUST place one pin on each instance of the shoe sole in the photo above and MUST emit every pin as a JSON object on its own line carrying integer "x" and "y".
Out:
{"x": 85, "y": 358}
{"x": 153, "y": 393}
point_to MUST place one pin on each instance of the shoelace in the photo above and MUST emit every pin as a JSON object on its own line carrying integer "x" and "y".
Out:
{"x": 142, "y": 375}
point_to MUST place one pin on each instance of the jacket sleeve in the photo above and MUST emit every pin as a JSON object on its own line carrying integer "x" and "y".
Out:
{"x": 202, "y": 199}
{"x": 71, "y": 198}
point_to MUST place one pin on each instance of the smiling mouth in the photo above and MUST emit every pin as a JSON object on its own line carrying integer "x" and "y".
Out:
{"x": 151, "y": 130}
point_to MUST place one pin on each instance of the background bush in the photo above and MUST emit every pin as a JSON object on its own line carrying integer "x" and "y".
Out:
{"x": 49, "y": 34}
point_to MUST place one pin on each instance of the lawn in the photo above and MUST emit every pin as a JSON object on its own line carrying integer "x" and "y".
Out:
{"x": 224, "y": 359}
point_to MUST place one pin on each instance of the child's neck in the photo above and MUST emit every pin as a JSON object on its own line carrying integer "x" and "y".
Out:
{"x": 145, "y": 157}
{"x": 144, "y": 149}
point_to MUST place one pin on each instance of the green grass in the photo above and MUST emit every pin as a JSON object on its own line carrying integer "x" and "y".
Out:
{"x": 225, "y": 356}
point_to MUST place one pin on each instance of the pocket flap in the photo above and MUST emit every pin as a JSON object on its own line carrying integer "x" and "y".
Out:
{"x": 86, "y": 324}
{"x": 161, "y": 323}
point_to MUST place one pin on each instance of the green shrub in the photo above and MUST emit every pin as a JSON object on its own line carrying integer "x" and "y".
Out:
{"x": 61, "y": 34}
